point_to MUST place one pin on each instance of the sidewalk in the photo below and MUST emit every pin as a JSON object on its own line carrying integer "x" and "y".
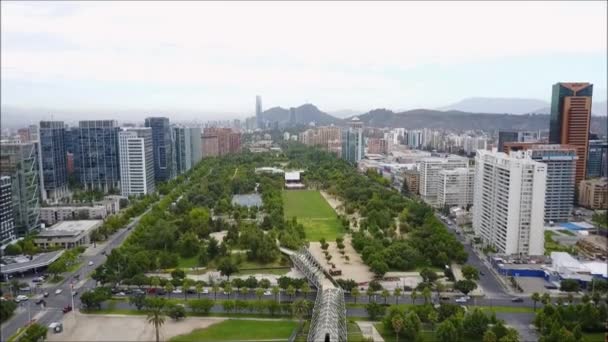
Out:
{"x": 369, "y": 331}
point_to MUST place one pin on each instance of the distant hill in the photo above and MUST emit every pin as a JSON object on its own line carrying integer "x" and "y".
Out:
{"x": 508, "y": 105}
{"x": 425, "y": 118}
{"x": 304, "y": 115}
{"x": 344, "y": 113}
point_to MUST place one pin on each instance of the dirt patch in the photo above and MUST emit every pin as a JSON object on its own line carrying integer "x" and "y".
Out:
{"x": 338, "y": 206}
{"x": 354, "y": 268}
{"x": 80, "y": 327}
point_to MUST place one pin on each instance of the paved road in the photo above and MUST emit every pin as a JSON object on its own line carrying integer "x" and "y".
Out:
{"x": 28, "y": 310}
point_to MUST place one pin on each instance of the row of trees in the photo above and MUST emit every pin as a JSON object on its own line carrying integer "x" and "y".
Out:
{"x": 557, "y": 323}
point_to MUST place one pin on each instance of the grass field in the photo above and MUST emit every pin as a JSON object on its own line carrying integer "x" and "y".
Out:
{"x": 313, "y": 211}
{"x": 237, "y": 330}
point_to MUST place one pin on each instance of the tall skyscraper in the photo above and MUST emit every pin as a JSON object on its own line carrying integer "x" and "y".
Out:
{"x": 19, "y": 161}
{"x": 183, "y": 152}
{"x": 196, "y": 147}
{"x": 7, "y": 221}
{"x": 292, "y": 117}
{"x": 163, "y": 148}
{"x": 570, "y": 118}
{"x": 352, "y": 141}
{"x": 509, "y": 202}
{"x": 136, "y": 161}
{"x": 597, "y": 161}
{"x": 258, "y": 112}
{"x": 53, "y": 160}
{"x": 96, "y": 154}
{"x": 561, "y": 166}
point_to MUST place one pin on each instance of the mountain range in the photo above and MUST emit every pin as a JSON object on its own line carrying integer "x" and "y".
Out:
{"x": 305, "y": 114}
{"x": 507, "y": 105}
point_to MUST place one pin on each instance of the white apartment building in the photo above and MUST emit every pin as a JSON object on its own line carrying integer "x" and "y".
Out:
{"x": 136, "y": 161}
{"x": 509, "y": 202}
{"x": 429, "y": 169}
{"x": 455, "y": 188}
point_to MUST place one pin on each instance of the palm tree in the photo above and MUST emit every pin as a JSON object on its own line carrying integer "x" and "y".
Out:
{"x": 169, "y": 288}
{"x": 259, "y": 292}
{"x": 186, "y": 286}
{"x": 300, "y": 309}
{"x": 291, "y": 291}
{"x": 571, "y": 298}
{"x": 275, "y": 291}
{"x": 545, "y": 299}
{"x": 355, "y": 293}
{"x": 305, "y": 289}
{"x": 414, "y": 295}
{"x": 426, "y": 294}
{"x": 199, "y": 289}
{"x": 439, "y": 287}
{"x": 535, "y": 298}
{"x": 397, "y": 294}
{"x": 156, "y": 317}
{"x": 244, "y": 291}
{"x": 228, "y": 289}
{"x": 370, "y": 292}
{"x": 385, "y": 294}
{"x": 215, "y": 289}
{"x": 397, "y": 323}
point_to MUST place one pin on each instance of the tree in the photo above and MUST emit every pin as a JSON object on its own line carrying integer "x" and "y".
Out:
{"x": 470, "y": 273}
{"x": 570, "y": 285}
{"x": 385, "y": 294}
{"x": 176, "y": 312}
{"x": 446, "y": 332}
{"x": 291, "y": 291}
{"x": 6, "y": 310}
{"x": 259, "y": 292}
{"x": 228, "y": 289}
{"x": 199, "y": 288}
{"x": 93, "y": 299}
{"x": 465, "y": 286}
{"x": 405, "y": 190}
{"x": 379, "y": 268}
{"x": 370, "y": 292}
{"x": 397, "y": 324}
{"x": 397, "y": 294}
{"x": 355, "y": 293}
{"x": 227, "y": 267}
{"x": 535, "y": 298}
{"x": 414, "y": 295}
{"x": 433, "y": 317}
{"x": 374, "y": 310}
{"x": 187, "y": 283}
{"x": 201, "y": 306}
{"x": 426, "y": 294}
{"x": 475, "y": 323}
{"x": 228, "y": 305}
{"x": 169, "y": 288}
{"x": 545, "y": 299}
{"x": 155, "y": 282}
{"x": 34, "y": 333}
{"x": 300, "y": 309}
{"x": 428, "y": 275}
{"x": 156, "y": 314}
{"x": 137, "y": 300}
{"x": 489, "y": 336}
{"x": 305, "y": 289}
{"x": 276, "y": 291}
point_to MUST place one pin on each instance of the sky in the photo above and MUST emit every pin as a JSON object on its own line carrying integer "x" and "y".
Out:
{"x": 215, "y": 57}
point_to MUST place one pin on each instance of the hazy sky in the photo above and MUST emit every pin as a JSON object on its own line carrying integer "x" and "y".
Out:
{"x": 218, "y": 56}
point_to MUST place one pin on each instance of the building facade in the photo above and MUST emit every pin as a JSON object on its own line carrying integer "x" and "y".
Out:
{"x": 53, "y": 160}
{"x": 509, "y": 202}
{"x": 455, "y": 188}
{"x": 7, "y": 221}
{"x": 593, "y": 193}
{"x": 258, "y": 112}
{"x": 597, "y": 160}
{"x": 136, "y": 161}
{"x": 19, "y": 161}
{"x": 182, "y": 152}
{"x": 561, "y": 166}
{"x": 377, "y": 146}
{"x": 96, "y": 157}
{"x": 429, "y": 169}
{"x": 570, "y": 120}
{"x": 163, "y": 148}
{"x": 515, "y": 136}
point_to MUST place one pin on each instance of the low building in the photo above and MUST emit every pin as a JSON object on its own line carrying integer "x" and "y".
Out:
{"x": 67, "y": 234}
{"x": 593, "y": 193}
{"x": 52, "y": 215}
{"x": 293, "y": 180}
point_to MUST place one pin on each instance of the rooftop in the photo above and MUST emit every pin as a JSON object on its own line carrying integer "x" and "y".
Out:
{"x": 70, "y": 228}
{"x": 40, "y": 260}
{"x": 250, "y": 200}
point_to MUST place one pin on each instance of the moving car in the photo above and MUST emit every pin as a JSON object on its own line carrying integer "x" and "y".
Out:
{"x": 40, "y": 301}
{"x": 517, "y": 300}
{"x": 67, "y": 309}
{"x": 90, "y": 263}
{"x": 21, "y": 298}
{"x": 58, "y": 292}
{"x": 46, "y": 294}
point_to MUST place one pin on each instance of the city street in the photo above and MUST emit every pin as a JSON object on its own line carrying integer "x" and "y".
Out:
{"x": 52, "y": 312}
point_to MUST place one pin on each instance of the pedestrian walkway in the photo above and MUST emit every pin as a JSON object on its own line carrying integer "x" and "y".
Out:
{"x": 369, "y": 331}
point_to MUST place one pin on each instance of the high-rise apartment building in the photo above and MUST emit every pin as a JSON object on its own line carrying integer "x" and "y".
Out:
{"x": 509, "y": 202}
{"x": 96, "y": 154}
{"x": 515, "y": 136}
{"x": 597, "y": 160}
{"x": 570, "y": 120}
{"x": 352, "y": 144}
{"x": 7, "y": 221}
{"x": 429, "y": 169}
{"x": 220, "y": 141}
{"x": 292, "y": 117}
{"x": 561, "y": 166}
{"x": 320, "y": 136}
{"x": 196, "y": 147}
{"x": 136, "y": 161}
{"x": 455, "y": 188}
{"x": 377, "y": 146}
{"x": 163, "y": 148}
{"x": 182, "y": 152}
{"x": 19, "y": 161}
{"x": 258, "y": 112}
{"x": 53, "y": 161}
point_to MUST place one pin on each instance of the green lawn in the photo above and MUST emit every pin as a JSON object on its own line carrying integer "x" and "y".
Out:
{"x": 235, "y": 330}
{"x": 313, "y": 211}
{"x": 187, "y": 262}
{"x": 506, "y": 309}
{"x": 594, "y": 337}
{"x": 566, "y": 231}
{"x": 389, "y": 336}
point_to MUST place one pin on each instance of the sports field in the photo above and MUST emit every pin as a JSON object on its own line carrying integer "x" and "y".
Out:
{"x": 241, "y": 330}
{"x": 311, "y": 209}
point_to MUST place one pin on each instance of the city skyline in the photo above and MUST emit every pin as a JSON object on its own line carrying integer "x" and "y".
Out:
{"x": 190, "y": 67}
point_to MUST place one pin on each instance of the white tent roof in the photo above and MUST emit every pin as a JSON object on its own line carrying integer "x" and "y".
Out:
{"x": 292, "y": 176}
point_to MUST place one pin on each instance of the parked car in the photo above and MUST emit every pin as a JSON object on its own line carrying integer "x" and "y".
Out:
{"x": 40, "y": 301}
{"x": 517, "y": 300}
{"x": 461, "y": 300}
{"x": 46, "y": 294}
{"x": 58, "y": 292}
{"x": 190, "y": 291}
{"x": 38, "y": 280}
{"x": 161, "y": 292}
{"x": 67, "y": 309}
{"x": 267, "y": 293}
{"x": 481, "y": 273}
{"x": 90, "y": 263}
{"x": 177, "y": 291}
{"x": 205, "y": 291}
{"x": 25, "y": 289}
